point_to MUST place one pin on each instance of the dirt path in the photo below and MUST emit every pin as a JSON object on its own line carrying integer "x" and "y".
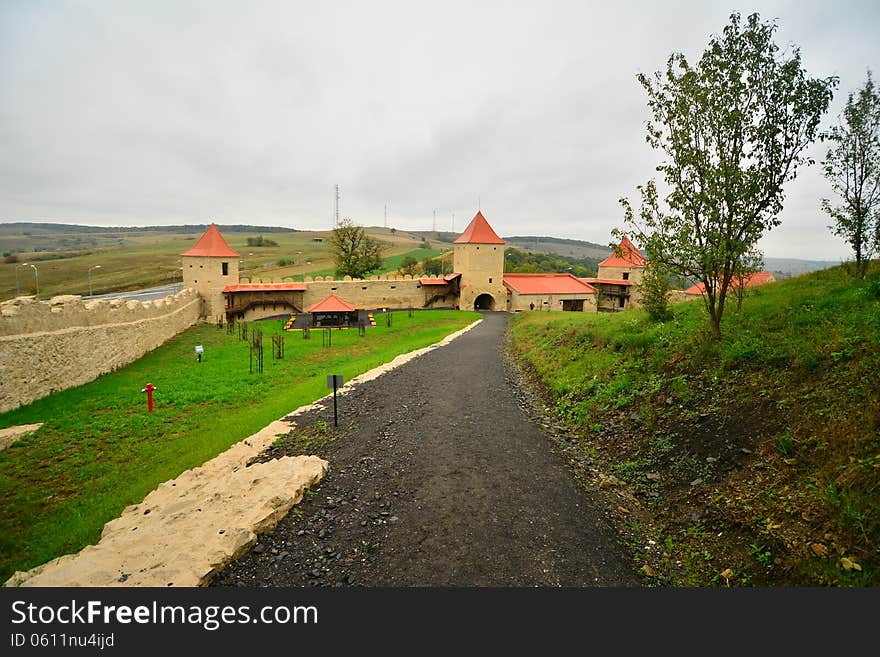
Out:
{"x": 437, "y": 478}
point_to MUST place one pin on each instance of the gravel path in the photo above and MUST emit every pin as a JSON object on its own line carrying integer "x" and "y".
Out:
{"x": 437, "y": 478}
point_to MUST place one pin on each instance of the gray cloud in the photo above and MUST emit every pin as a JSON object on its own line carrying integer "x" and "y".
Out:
{"x": 168, "y": 112}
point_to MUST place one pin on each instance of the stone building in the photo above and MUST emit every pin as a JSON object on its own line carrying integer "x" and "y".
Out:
{"x": 619, "y": 277}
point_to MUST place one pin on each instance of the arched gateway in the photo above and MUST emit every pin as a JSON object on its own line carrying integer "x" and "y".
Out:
{"x": 484, "y": 302}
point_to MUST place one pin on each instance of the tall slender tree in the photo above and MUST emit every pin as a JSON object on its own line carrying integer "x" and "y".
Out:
{"x": 733, "y": 129}
{"x": 852, "y": 166}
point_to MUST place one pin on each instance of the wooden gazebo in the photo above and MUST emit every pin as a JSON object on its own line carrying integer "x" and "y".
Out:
{"x": 333, "y": 312}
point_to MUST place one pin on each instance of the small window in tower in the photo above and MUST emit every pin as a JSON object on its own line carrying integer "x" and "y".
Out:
{"x": 201, "y": 266}
{"x": 225, "y": 266}
{"x": 490, "y": 280}
{"x": 626, "y": 275}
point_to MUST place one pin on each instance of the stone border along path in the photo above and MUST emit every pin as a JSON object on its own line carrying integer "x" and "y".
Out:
{"x": 14, "y": 434}
{"x": 189, "y": 528}
{"x": 439, "y": 477}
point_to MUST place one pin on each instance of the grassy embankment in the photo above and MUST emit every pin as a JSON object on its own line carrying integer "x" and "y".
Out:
{"x": 133, "y": 260}
{"x": 100, "y": 449}
{"x": 755, "y": 460}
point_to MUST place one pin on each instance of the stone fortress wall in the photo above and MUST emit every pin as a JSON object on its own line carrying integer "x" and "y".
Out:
{"x": 62, "y": 343}
{"x": 387, "y": 291}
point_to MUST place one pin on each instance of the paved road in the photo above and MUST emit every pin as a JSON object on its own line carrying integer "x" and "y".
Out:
{"x": 147, "y": 294}
{"x": 438, "y": 478}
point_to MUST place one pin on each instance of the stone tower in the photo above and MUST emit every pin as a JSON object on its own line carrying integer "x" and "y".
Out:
{"x": 479, "y": 257}
{"x": 209, "y": 267}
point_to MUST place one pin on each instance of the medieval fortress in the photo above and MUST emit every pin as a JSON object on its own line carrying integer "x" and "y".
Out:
{"x": 50, "y": 346}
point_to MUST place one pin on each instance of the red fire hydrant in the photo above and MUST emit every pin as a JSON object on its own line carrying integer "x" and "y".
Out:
{"x": 149, "y": 390}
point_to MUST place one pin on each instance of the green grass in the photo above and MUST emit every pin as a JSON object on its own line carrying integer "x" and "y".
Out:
{"x": 100, "y": 450}
{"x": 810, "y": 346}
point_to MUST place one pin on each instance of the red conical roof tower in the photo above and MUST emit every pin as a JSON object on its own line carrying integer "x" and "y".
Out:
{"x": 211, "y": 244}
{"x": 629, "y": 256}
{"x": 479, "y": 232}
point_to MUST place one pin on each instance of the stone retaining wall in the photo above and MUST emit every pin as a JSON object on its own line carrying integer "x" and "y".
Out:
{"x": 54, "y": 345}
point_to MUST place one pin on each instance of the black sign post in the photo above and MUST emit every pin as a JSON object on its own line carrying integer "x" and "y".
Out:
{"x": 334, "y": 381}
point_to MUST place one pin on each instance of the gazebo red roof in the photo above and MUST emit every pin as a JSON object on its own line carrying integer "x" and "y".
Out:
{"x": 479, "y": 232}
{"x": 331, "y": 304}
{"x": 629, "y": 256}
{"x": 211, "y": 244}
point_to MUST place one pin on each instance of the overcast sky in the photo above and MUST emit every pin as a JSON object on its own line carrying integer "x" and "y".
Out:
{"x": 139, "y": 113}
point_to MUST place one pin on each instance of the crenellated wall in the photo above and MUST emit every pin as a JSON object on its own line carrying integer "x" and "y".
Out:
{"x": 377, "y": 292}
{"x": 62, "y": 343}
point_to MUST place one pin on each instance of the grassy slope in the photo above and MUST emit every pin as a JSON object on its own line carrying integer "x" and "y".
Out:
{"x": 778, "y": 426}
{"x": 143, "y": 259}
{"x": 100, "y": 449}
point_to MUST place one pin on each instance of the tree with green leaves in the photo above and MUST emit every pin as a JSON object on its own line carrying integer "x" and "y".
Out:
{"x": 355, "y": 253}
{"x": 747, "y": 266}
{"x": 852, "y": 166}
{"x": 654, "y": 290}
{"x": 432, "y": 266}
{"x": 408, "y": 265}
{"x": 733, "y": 129}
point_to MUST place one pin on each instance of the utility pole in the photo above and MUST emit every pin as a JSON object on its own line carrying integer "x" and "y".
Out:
{"x": 385, "y": 224}
{"x": 90, "y": 279}
{"x": 434, "y": 223}
{"x": 337, "y": 206}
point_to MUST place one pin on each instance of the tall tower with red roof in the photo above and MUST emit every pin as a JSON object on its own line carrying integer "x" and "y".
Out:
{"x": 208, "y": 267}
{"x": 627, "y": 266}
{"x": 478, "y": 256}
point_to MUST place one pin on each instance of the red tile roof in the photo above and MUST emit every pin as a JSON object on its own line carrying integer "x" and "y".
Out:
{"x": 211, "y": 244}
{"x": 629, "y": 256}
{"x": 331, "y": 304}
{"x": 607, "y": 281}
{"x": 479, "y": 232}
{"x": 433, "y": 281}
{"x": 757, "y": 278}
{"x": 267, "y": 287}
{"x": 453, "y": 276}
{"x": 547, "y": 284}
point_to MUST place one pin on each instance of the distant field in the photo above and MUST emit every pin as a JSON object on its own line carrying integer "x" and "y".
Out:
{"x": 100, "y": 449}
{"x": 390, "y": 264}
{"x": 135, "y": 259}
